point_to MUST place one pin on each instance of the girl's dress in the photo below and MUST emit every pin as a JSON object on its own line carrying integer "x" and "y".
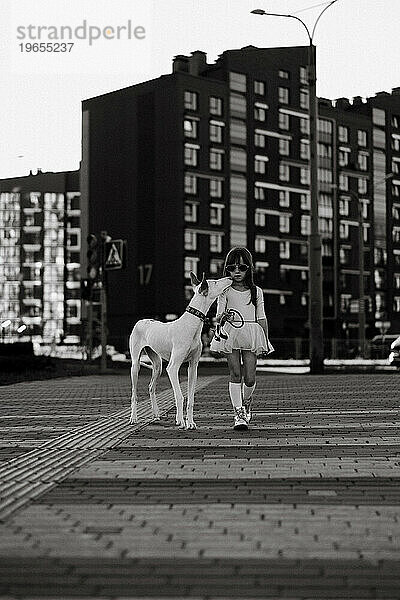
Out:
{"x": 250, "y": 336}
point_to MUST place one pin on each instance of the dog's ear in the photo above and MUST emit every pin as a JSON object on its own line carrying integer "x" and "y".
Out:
{"x": 194, "y": 279}
{"x": 204, "y": 286}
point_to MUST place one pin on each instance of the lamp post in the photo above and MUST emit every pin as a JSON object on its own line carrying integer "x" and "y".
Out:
{"x": 314, "y": 249}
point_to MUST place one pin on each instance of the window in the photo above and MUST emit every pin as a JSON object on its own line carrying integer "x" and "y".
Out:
{"x": 362, "y": 160}
{"x": 284, "y": 147}
{"x": 344, "y": 231}
{"x": 284, "y": 198}
{"x": 343, "y": 206}
{"x": 259, "y": 140}
{"x": 396, "y": 121}
{"x": 304, "y": 149}
{"x": 362, "y": 186}
{"x": 304, "y": 99}
{"x": 260, "y": 164}
{"x": 303, "y": 75}
{"x": 215, "y": 188}
{"x": 260, "y": 113}
{"x": 238, "y": 131}
{"x": 343, "y": 158}
{"x": 216, "y": 159}
{"x": 305, "y": 201}
{"x": 324, "y": 150}
{"x": 190, "y": 128}
{"x": 190, "y": 240}
{"x": 259, "y": 87}
{"x": 395, "y": 190}
{"x": 327, "y": 251}
{"x": 362, "y": 137}
{"x": 284, "y": 121}
{"x": 215, "y": 105}
{"x": 216, "y": 266}
{"x": 260, "y": 244}
{"x": 325, "y": 175}
{"x": 324, "y": 126}
{"x": 395, "y": 144}
{"x": 304, "y": 275}
{"x": 283, "y": 95}
{"x": 259, "y": 193}
{"x": 215, "y": 242}
{"x": 259, "y": 218}
{"x": 305, "y": 175}
{"x": 396, "y": 303}
{"x": 238, "y": 105}
{"x": 283, "y": 74}
{"x": 284, "y": 172}
{"x": 304, "y": 300}
{"x": 345, "y": 255}
{"x": 305, "y": 225}
{"x": 237, "y": 81}
{"x": 343, "y": 182}
{"x": 325, "y": 207}
{"x": 282, "y": 299}
{"x": 190, "y": 212}
{"x": 304, "y": 126}
{"x": 284, "y": 250}
{"x": 216, "y": 132}
{"x": 284, "y": 223}
{"x": 395, "y": 167}
{"x": 238, "y": 159}
{"x": 190, "y": 264}
{"x": 190, "y": 184}
{"x": 343, "y": 134}
{"x": 215, "y": 214}
{"x": 190, "y": 100}
{"x": 191, "y": 153}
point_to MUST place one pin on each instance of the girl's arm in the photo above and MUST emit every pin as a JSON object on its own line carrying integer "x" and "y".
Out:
{"x": 264, "y": 325}
{"x": 221, "y": 306}
{"x": 260, "y": 313}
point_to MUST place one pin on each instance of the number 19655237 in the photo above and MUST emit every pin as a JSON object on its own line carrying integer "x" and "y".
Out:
{"x": 46, "y": 47}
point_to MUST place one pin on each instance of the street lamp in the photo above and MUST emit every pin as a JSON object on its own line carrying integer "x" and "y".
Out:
{"x": 315, "y": 260}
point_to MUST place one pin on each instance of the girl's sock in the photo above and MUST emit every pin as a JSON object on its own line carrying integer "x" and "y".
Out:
{"x": 235, "y": 392}
{"x": 248, "y": 391}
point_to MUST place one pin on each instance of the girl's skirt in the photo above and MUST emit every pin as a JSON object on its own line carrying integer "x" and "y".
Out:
{"x": 250, "y": 336}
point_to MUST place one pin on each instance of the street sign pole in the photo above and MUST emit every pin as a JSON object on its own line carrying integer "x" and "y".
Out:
{"x": 105, "y": 238}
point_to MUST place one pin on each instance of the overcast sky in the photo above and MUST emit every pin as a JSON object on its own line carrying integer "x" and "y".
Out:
{"x": 358, "y": 53}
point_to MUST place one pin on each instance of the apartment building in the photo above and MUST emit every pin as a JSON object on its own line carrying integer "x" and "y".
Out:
{"x": 40, "y": 244}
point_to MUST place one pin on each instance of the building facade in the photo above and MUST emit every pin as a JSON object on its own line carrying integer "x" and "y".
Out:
{"x": 40, "y": 245}
{"x": 212, "y": 156}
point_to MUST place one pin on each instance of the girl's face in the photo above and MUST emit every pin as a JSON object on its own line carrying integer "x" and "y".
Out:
{"x": 237, "y": 270}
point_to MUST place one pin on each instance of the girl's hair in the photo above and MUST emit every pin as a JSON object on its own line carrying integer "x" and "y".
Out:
{"x": 234, "y": 255}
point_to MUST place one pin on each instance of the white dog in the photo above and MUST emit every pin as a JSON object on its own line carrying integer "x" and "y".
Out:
{"x": 177, "y": 342}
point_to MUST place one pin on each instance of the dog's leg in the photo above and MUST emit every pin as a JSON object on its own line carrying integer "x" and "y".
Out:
{"x": 173, "y": 374}
{"x": 135, "y": 357}
{"x": 156, "y": 372}
{"x": 192, "y": 378}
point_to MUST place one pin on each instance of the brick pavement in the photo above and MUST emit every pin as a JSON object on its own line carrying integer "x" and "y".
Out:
{"x": 304, "y": 505}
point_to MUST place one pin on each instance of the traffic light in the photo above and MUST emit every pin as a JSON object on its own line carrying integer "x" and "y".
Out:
{"x": 93, "y": 257}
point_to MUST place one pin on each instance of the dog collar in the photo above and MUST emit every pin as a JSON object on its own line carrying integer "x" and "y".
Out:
{"x": 196, "y": 313}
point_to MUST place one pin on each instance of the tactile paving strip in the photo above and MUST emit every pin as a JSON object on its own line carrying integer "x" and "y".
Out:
{"x": 28, "y": 476}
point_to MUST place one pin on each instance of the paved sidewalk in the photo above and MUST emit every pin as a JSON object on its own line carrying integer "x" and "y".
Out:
{"x": 304, "y": 505}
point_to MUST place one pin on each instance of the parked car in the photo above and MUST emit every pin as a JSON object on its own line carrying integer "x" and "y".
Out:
{"x": 394, "y": 356}
{"x": 380, "y": 345}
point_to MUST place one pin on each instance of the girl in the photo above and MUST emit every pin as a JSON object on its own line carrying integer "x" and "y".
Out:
{"x": 244, "y": 332}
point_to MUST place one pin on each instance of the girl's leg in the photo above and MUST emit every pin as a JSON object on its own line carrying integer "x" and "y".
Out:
{"x": 235, "y": 372}
{"x": 249, "y": 379}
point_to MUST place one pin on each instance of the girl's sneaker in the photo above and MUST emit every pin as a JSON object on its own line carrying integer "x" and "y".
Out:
{"x": 247, "y": 408}
{"x": 241, "y": 423}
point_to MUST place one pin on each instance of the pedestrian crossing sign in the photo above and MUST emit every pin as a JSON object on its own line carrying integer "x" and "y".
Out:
{"x": 114, "y": 254}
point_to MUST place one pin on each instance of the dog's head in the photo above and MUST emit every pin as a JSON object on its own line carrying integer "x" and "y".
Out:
{"x": 210, "y": 288}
